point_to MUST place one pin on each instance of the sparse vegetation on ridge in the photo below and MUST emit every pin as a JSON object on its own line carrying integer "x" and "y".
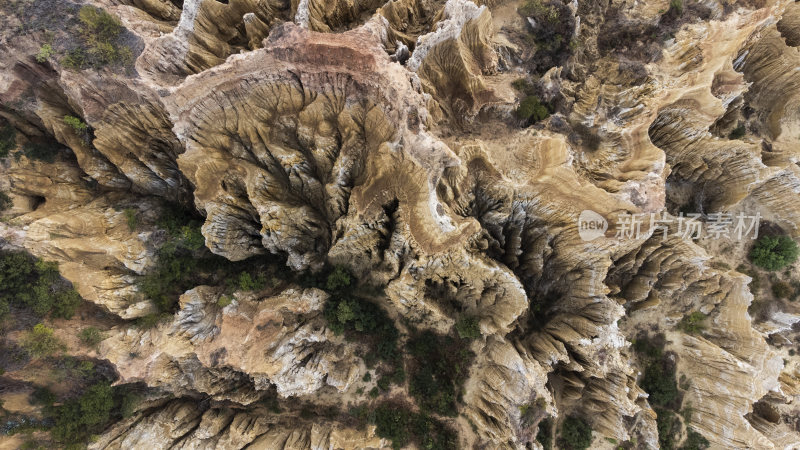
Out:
{"x": 100, "y": 34}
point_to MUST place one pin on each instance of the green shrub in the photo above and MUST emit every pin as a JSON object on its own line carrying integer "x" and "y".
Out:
{"x": 532, "y": 110}
{"x": 86, "y": 368}
{"x": 224, "y": 301}
{"x": 338, "y": 279}
{"x": 90, "y": 336}
{"x": 468, "y": 328}
{"x": 677, "y": 6}
{"x": 8, "y": 140}
{"x": 128, "y": 401}
{"x": 45, "y": 52}
{"x": 367, "y": 377}
{"x": 740, "y": 130}
{"x": 78, "y": 418}
{"x": 774, "y": 252}
{"x": 75, "y": 59}
{"x": 78, "y": 125}
{"x": 692, "y": 323}
{"x": 131, "y": 218}
{"x": 575, "y": 434}
{"x": 35, "y": 284}
{"x": 247, "y": 282}
{"x": 40, "y": 341}
{"x": 5, "y": 201}
{"x": 398, "y": 376}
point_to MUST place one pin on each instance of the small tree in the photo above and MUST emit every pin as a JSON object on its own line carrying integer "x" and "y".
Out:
{"x": 774, "y": 252}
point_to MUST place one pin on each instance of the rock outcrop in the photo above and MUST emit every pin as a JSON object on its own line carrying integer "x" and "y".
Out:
{"x": 382, "y": 137}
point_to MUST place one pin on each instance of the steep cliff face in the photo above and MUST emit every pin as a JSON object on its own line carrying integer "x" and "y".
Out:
{"x": 441, "y": 152}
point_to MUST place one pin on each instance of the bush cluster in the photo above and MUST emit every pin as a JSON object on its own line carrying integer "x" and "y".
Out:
{"x": 77, "y": 125}
{"x": 359, "y": 319}
{"x": 75, "y": 420}
{"x": 468, "y": 328}
{"x": 31, "y": 283}
{"x": 438, "y": 367}
{"x": 669, "y": 428}
{"x": 178, "y": 263}
{"x": 659, "y": 381}
{"x": 45, "y": 52}
{"x": 364, "y": 321}
{"x": 575, "y": 434}
{"x": 739, "y": 131}
{"x": 183, "y": 262}
{"x": 552, "y": 32}
{"x": 531, "y": 109}
{"x": 402, "y": 426}
{"x": 774, "y": 252}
